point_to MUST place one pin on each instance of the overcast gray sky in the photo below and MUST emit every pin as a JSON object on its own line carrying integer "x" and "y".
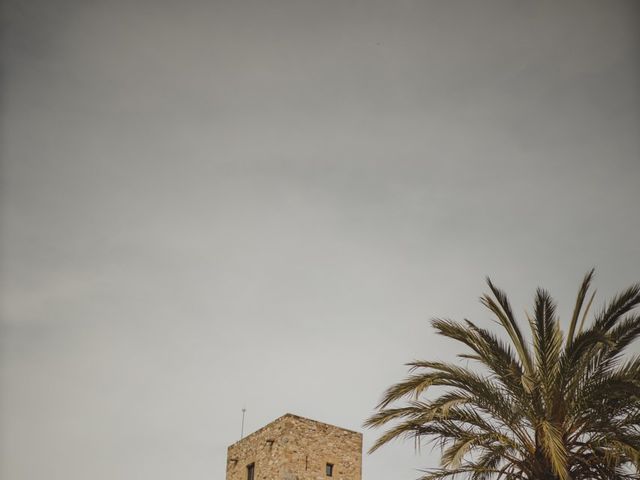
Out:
{"x": 215, "y": 204}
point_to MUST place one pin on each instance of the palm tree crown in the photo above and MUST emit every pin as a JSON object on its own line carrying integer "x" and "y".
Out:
{"x": 551, "y": 406}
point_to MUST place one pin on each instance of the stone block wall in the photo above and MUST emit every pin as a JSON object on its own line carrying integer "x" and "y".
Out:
{"x": 297, "y": 448}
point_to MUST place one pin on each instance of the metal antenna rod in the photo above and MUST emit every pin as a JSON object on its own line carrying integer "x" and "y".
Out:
{"x": 242, "y": 427}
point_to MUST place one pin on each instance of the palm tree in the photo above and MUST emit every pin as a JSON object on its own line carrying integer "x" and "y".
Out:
{"x": 552, "y": 407}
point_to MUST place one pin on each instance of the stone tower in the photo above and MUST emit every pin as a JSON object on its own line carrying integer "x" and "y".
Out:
{"x": 296, "y": 448}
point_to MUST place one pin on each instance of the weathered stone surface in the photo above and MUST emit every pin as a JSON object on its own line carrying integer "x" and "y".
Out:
{"x": 297, "y": 448}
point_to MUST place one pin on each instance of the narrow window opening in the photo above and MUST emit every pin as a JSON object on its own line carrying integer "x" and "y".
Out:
{"x": 251, "y": 468}
{"x": 329, "y": 470}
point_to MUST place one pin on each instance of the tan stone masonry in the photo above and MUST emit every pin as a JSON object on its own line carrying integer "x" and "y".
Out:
{"x": 297, "y": 448}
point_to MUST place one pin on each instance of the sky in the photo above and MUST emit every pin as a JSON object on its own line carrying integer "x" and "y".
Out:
{"x": 214, "y": 205}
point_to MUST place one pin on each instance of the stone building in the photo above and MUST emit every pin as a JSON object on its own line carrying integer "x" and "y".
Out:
{"x": 296, "y": 448}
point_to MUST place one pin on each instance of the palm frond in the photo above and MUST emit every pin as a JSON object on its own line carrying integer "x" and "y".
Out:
{"x": 582, "y": 293}
{"x": 502, "y": 310}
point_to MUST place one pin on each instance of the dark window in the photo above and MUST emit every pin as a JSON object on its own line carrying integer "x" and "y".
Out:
{"x": 329, "y": 469}
{"x": 251, "y": 468}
